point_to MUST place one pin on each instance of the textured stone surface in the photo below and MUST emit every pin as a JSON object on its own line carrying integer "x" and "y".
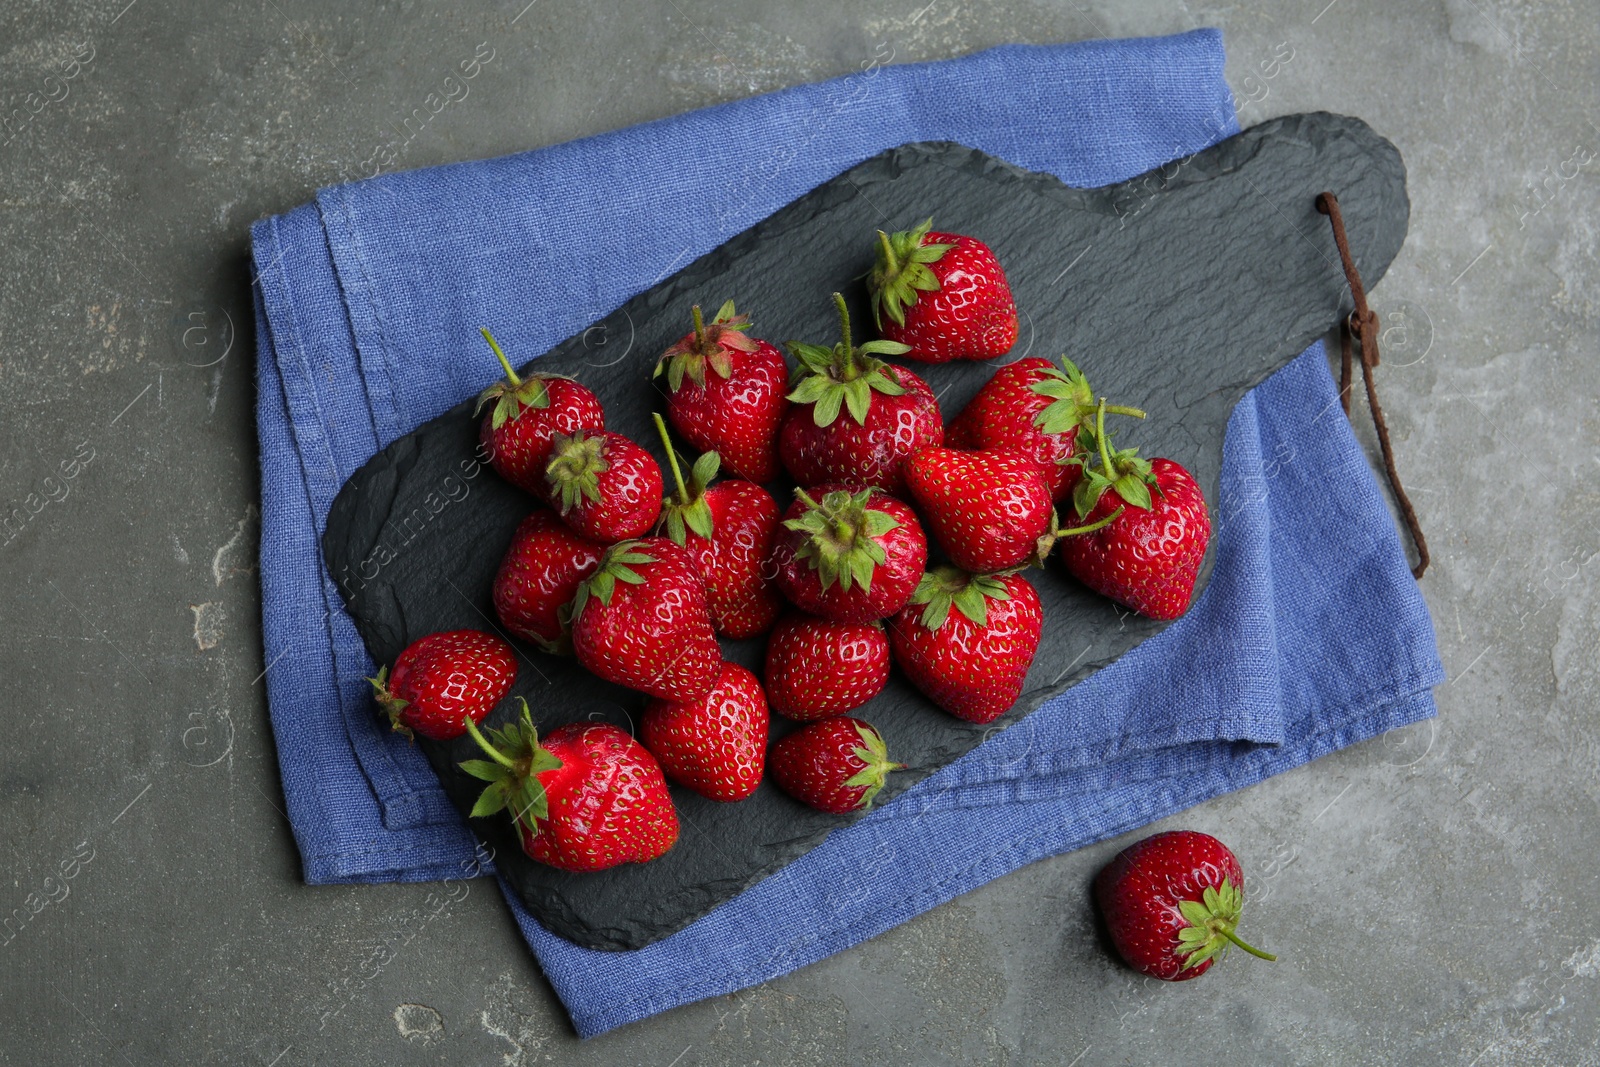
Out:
{"x": 1192, "y": 230}
{"x": 1431, "y": 893}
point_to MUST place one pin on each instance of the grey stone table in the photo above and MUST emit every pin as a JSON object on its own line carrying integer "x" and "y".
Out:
{"x": 1434, "y": 894}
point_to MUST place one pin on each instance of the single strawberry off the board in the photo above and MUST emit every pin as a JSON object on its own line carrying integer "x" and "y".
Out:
{"x": 1171, "y": 903}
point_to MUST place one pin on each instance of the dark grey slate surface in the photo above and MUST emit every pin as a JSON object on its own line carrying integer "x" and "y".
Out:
{"x": 1177, "y": 300}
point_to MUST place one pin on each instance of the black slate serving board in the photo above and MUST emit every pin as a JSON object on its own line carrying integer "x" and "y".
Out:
{"x": 1176, "y": 291}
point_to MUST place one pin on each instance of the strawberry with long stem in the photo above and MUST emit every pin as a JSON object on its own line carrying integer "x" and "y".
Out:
{"x": 585, "y": 799}
{"x": 728, "y": 528}
{"x": 520, "y": 429}
{"x": 1149, "y": 556}
{"x": 855, "y": 418}
{"x": 1036, "y": 408}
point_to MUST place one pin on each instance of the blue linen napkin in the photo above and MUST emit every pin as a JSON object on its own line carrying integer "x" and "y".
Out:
{"x": 1311, "y": 635}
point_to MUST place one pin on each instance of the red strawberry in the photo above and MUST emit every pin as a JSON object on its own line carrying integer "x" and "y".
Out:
{"x": 1171, "y": 903}
{"x": 1147, "y": 551}
{"x": 1034, "y": 407}
{"x": 728, "y": 530}
{"x": 987, "y": 510}
{"x": 970, "y": 661}
{"x": 942, "y": 294}
{"x": 849, "y": 554}
{"x": 836, "y": 765}
{"x": 816, "y": 668}
{"x": 716, "y": 746}
{"x": 855, "y": 418}
{"x": 736, "y": 408}
{"x": 641, "y": 621}
{"x": 528, "y": 413}
{"x": 538, "y": 578}
{"x": 589, "y": 798}
{"x": 604, "y": 486}
{"x": 441, "y": 679}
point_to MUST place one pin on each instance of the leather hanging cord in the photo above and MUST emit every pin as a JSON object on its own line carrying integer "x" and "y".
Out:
{"x": 1365, "y": 329}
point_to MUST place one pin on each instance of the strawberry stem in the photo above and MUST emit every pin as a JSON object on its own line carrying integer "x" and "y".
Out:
{"x": 483, "y": 743}
{"x": 1237, "y": 940}
{"x": 666, "y": 442}
{"x": 805, "y": 498}
{"x": 511, "y": 375}
{"x": 699, "y": 329}
{"x": 1120, "y": 409}
{"x": 844, "y": 328}
{"x": 891, "y": 264}
{"x": 1093, "y": 526}
{"x": 1100, "y": 437}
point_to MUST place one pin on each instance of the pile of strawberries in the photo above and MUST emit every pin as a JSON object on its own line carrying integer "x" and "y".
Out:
{"x": 636, "y": 575}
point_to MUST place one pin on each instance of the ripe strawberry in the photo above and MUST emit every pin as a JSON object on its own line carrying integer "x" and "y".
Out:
{"x": 971, "y": 661}
{"x": 1171, "y": 903}
{"x": 836, "y": 765}
{"x": 849, "y": 554}
{"x": 942, "y": 294}
{"x": 855, "y": 418}
{"x": 728, "y": 529}
{"x": 1034, "y": 407}
{"x": 1147, "y": 551}
{"x": 538, "y": 578}
{"x": 603, "y": 485}
{"x": 816, "y": 668}
{"x": 589, "y": 798}
{"x": 987, "y": 510}
{"x": 736, "y": 408}
{"x": 528, "y": 413}
{"x": 716, "y": 746}
{"x": 441, "y": 679}
{"x": 641, "y": 621}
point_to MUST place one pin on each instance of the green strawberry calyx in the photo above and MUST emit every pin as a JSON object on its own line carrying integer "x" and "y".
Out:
{"x": 514, "y": 393}
{"x": 687, "y": 511}
{"x": 902, "y": 270}
{"x": 1122, "y": 471}
{"x": 1212, "y": 920}
{"x": 875, "y": 754}
{"x": 512, "y": 770}
{"x": 844, "y": 376}
{"x": 1073, "y": 403}
{"x": 617, "y": 565}
{"x": 706, "y": 346}
{"x": 573, "y": 473}
{"x": 949, "y": 587}
{"x": 842, "y": 537}
{"x": 393, "y": 706}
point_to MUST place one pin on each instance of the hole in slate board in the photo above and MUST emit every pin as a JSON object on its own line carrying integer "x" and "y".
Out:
{"x": 1178, "y": 308}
